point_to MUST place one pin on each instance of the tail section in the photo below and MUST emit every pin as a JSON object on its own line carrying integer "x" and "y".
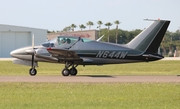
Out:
{"x": 149, "y": 39}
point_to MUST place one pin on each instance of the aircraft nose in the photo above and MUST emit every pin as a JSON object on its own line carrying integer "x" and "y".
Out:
{"x": 13, "y": 53}
{"x": 16, "y": 53}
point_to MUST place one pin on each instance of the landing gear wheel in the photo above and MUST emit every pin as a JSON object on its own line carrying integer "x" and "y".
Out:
{"x": 73, "y": 71}
{"x": 65, "y": 72}
{"x": 32, "y": 72}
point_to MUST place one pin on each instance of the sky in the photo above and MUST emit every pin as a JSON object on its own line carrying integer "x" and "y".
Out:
{"x": 58, "y": 14}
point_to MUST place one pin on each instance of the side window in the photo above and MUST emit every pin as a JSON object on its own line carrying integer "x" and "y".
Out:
{"x": 65, "y": 41}
{"x": 86, "y": 40}
{"x": 61, "y": 40}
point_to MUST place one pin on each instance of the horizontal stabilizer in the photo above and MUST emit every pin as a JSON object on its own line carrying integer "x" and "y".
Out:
{"x": 152, "y": 56}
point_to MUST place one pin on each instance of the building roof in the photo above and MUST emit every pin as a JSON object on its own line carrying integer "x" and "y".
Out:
{"x": 5, "y": 27}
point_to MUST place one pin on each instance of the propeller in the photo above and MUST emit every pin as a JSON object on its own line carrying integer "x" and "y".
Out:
{"x": 33, "y": 41}
{"x": 32, "y": 64}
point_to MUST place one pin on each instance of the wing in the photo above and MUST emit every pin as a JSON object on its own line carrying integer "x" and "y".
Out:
{"x": 64, "y": 55}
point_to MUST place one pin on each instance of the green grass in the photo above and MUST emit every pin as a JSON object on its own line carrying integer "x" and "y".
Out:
{"x": 152, "y": 68}
{"x": 89, "y": 96}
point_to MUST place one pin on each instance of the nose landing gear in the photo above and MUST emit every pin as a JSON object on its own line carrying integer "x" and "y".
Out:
{"x": 32, "y": 71}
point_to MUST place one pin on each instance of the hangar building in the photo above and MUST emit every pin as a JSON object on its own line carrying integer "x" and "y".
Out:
{"x": 13, "y": 37}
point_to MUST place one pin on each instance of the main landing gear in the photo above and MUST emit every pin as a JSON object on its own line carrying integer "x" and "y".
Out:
{"x": 72, "y": 71}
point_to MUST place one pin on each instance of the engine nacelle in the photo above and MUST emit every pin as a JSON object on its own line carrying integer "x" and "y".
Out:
{"x": 24, "y": 62}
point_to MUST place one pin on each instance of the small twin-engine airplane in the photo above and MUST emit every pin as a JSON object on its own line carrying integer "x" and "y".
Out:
{"x": 73, "y": 51}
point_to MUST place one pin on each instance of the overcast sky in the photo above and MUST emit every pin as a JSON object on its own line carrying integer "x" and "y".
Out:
{"x": 57, "y": 14}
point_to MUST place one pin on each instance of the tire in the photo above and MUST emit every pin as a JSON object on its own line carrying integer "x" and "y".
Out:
{"x": 65, "y": 72}
{"x": 32, "y": 72}
{"x": 73, "y": 71}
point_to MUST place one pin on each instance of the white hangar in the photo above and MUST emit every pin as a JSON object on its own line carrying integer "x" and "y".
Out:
{"x": 13, "y": 37}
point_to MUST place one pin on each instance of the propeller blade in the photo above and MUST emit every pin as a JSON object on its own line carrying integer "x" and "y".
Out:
{"x": 33, "y": 41}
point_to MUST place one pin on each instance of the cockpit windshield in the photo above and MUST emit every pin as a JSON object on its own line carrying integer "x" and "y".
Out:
{"x": 64, "y": 40}
{"x": 50, "y": 43}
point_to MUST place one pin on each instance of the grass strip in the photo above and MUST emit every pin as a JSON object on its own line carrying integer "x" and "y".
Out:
{"x": 89, "y": 95}
{"x": 152, "y": 68}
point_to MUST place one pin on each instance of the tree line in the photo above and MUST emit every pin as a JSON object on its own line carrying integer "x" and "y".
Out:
{"x": 170, "y": 45}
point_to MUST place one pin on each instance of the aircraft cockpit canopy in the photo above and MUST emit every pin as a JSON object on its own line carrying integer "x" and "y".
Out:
{"x": 64, "y": 40}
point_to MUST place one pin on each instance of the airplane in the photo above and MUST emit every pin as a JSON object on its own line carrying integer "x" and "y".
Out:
{"x": 73, "y": 50}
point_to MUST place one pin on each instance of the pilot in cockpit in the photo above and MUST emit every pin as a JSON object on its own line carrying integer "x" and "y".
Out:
{"x": 63, "y": 41}
{"x": 68, "y": 41}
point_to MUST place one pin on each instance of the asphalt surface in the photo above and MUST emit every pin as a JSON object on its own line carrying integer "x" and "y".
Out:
{"x": 92, "y": 79}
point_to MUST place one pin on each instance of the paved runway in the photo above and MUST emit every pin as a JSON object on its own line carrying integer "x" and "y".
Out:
{"x": 93, "y": 79}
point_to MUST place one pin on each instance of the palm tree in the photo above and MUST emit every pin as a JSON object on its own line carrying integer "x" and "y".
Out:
{"x": 99, "y": 23}
{"x": 82, "y": 26}
{"x": 73, "y": 26}
{"x": 67, "y": 28}
{"x": 108, "y": 25}
{"x": 117, "y": 23}
{"x": 89, "y": 24}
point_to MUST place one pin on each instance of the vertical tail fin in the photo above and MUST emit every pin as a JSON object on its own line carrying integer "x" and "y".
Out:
{"x": 149, "y": 39}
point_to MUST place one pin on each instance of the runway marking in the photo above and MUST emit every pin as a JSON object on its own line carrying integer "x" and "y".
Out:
{"x": 93, "y": 79}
